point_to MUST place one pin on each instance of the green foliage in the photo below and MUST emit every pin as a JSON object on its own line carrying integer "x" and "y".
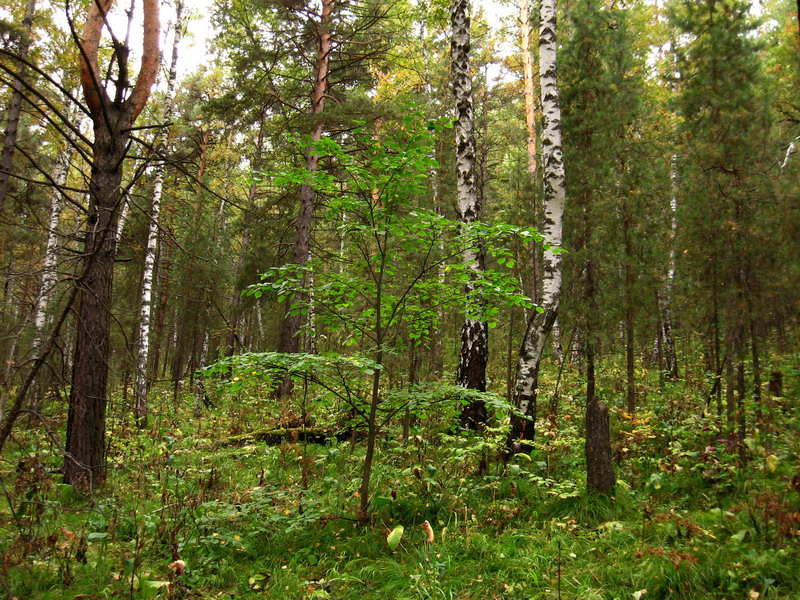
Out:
{"x": 273, "y": 521}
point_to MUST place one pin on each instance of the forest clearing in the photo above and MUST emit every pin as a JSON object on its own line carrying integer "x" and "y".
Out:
{"x": 407, "y": 300}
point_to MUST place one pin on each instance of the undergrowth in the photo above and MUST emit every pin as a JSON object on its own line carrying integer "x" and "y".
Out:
{"x": 189, "y": 511}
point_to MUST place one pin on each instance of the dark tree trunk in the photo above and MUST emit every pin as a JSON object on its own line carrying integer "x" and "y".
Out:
{"x": 85, "y": 463}
{"x": 15, "y": 108}
{"x": 290, "y": 329}
{"x": 599, "y": 469}
{"x": 630, "y": 363}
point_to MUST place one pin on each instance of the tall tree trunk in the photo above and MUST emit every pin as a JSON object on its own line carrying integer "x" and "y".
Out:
{"x": 667, "y": 347}
{"x": 113, "y": 118}
{"x": 290, "y": 330}
{"x": 541, "y": 323}
{"x": 15, "y": 107}
{"x": 630, "y": 364}
{"x": 165, "y": 262}
{"x": 599, "y": 469}
{"x": 530, "y": 94}
{"x": 236, "y": 299}
{"x": 49, "y": 268}
{"x": 49, "y": 273}
{"x": 474, "y": 353}
{"x": 146, "y": 304}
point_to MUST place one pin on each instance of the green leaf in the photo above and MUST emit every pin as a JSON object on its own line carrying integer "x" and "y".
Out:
{"x": 394, "y": 537}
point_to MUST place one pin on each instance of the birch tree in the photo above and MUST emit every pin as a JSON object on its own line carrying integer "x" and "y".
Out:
{"x": 541, "y": 321}
{"x": 474, "y": 332}
{"x": 146, "y": 304}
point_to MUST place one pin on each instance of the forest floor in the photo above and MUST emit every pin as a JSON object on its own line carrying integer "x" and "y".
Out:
{"x": 194, "y": 509}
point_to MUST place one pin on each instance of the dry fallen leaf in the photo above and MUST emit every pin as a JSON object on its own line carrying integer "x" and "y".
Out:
{"x": 426, "y": 527}
{"x": 178, "y": 566}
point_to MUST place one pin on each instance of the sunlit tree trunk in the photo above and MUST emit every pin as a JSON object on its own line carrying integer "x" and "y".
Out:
{"x": 541, "y": 323}
{"x": 474, "y": 332}
{"x": 146, "y": 303}
{"x": 113, "y": 118}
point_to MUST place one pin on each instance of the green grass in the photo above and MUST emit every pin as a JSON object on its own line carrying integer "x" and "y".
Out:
{"x": 254, "y": 521}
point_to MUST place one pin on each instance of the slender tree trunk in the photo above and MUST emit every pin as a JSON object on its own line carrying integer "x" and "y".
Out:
{"x": 49, "y": 273}
{"x": 113, "y": 118}
{"x": 236, "y": 299}
{"x": 541, "y": 323}
{"x": 630, "y": 362}
{"x": 290, "y": 330}
{"x": 15, "y": 107}
{"x": 49, "y": 269}
{"x": 164, "y": 290}
{"x": 474, "y": 353}
{"x": 154, "y": 223}
{"x": 530, "y": 94}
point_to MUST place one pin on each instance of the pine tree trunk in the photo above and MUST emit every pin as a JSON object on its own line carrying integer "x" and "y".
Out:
{"x": 84, "y": 463}
{"x": 474, "y": 352}
{"x": 146, "y": 304}
{"x": 236, "y": 299}
{"x": 541, "y": 323}
{"x": 15, "y": 107}
{"x": 630, "y": 363}
{"x": 599, "y": 469}
{"x": 290, "y": 330}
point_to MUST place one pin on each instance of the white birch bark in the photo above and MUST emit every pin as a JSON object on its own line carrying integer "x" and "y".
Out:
{"x": 541, "y": 323}
{"x": 474, "y": 332}
{"x": 146, "y": 305}
{"x": 791, "y": 150}
{"x": 667, "y": 340}
{"x": 49, "y": 273}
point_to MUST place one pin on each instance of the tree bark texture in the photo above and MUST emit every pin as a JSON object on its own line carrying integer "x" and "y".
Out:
{"x": 290, "y": 330}
{"x": 49, "y": 272}
{"x": 541, "y": 323}
{"x": 146, "y": 298}
{"x": 665, "y": 298}
{"x": 530, "y": 92}
{"x": 84, "y": 463}
{"x": 474, "y": 353}
{"x": 15, "y": 108}
{"x": 599, "y": 470}
{"x": 236, "y": 299}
